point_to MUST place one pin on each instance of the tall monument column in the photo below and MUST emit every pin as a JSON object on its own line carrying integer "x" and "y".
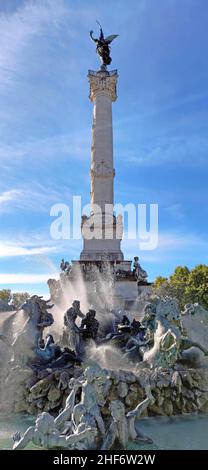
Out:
{"x": 107, "y": 229}
{"x": 102, "y": 93}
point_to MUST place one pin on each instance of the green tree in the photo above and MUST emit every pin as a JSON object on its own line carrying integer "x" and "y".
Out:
{"x": 180, "y": 275}
{"x": 197, "y": 286}
{"x": 187, "y": 286}
{"x": 160, "y": 281}
{"x": 18, "y": 298}
{"x": 5, "y": 295}
{"x": 179, "y": 281}
{"x": 162, "y": 287}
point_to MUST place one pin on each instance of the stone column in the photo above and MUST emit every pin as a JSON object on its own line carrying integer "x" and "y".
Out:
{"x": 102, "y": 94}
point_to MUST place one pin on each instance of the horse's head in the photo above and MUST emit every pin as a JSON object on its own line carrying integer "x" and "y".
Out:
{"x": 30, "y": 305}
{"x": 26, "y": 306}
{"x": 168, "y": 308}
{"x": 149, "y": 311}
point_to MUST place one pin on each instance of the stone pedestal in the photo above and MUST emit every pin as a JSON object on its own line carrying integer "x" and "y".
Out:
{"x": 102, "y": 231}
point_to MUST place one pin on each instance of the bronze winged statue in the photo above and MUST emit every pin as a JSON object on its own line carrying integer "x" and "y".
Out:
{"x": 102, "y": 48}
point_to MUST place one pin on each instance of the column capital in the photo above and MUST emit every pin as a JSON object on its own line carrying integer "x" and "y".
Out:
{"x": 103, "y": 82}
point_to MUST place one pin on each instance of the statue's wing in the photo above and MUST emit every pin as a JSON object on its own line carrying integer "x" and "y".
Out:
{"x": 110, "y": 38}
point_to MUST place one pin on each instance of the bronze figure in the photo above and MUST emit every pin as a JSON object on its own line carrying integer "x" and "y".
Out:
{"x": 102, "y": 48}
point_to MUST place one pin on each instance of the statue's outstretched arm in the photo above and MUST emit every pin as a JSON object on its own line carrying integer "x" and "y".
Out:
{"x": 21, "y": 442}
{"x": 80, "y": 314}
{"x": 91, "y": 35}
{"x": 136, "y": 413}
{"x": 65, "y": 415}
{"x": 139, "y": 409}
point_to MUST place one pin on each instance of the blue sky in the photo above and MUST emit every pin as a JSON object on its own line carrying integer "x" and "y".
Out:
{"x": 160, "y": 126}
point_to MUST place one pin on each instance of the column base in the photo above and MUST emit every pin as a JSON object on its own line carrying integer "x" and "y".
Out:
{"x": 95, "y": 255}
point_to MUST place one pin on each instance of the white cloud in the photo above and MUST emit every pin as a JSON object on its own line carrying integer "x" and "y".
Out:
{"x": 75, "y": 145}
{"x": 7, "y": 250}
{"x": 8, "y": 196}
{"x": 36, "y": 249}
{"x": 35, "y": 197}
{"x": 25, "y": 278}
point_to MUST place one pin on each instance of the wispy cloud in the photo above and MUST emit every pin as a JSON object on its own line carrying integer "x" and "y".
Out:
{"x": 73, "y": 145}
{"x": 7, "y": 250}
{"x": 162, "y": 107}
{"x": 21, "y": 244}
{"x": 19, "y": 28}
{"x": 169, "y": 151}
{"x": 36, "y": 244}
{"x": 8, "y": 196}
{"x": 34, "y": 197}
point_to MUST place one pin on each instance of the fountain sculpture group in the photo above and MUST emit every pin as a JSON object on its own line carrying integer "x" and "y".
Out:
{"x": 89, "y": 387}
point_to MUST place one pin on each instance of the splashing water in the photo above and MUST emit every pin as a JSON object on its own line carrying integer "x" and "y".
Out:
{"x": 109, "y": 357}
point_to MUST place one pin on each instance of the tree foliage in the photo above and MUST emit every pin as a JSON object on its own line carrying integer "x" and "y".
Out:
{"x": 197, "y": 286}
{"x": 5, "y": 295}
{"x": 18, "y": 298}
{"x": 187, "y": 286}
{"x": 15, "y": 299}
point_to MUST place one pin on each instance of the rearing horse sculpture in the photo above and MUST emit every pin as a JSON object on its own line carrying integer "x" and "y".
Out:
{"x": 36, "y": 319}
{"x": 168, "y": 335}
